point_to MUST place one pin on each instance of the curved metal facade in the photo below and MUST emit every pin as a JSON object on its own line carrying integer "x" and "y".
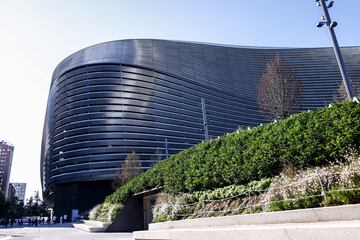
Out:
{"x": 117, "y": 97}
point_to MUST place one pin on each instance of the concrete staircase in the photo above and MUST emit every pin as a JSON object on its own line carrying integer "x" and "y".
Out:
{"x": 91, "y": 226}
{"x": 328, "y": 223}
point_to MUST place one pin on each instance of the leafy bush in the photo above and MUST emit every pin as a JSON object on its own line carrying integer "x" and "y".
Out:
{"x": 94, "y": 212}
{"x": 340, "y": 184}
{"x": 161, "y": 218}
{"x": 228, "y": 192}
{"x": 304, "y": 190}
{"x": 114, "y": 211}
{"x": 341, "y": 197}
{"x": 167, "y": 207}
{"x": 283, "y": 204}
{"x": 311, "y": 138}
{"x": 180, "y": 206}
{"x": 105, "y": 212}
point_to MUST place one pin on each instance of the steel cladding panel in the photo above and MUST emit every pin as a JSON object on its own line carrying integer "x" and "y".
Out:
{"x": 113, "y": 98}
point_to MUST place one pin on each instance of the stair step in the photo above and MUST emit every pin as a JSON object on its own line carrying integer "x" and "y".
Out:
{"x": 349, "y": 230}
{"x": 88, "y": 228}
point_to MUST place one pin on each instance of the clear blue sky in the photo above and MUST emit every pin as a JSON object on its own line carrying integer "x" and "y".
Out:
{"x": 37, "y": 34}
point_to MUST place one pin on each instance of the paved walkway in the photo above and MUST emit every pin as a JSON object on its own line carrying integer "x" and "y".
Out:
{"x": 57, "y": 232}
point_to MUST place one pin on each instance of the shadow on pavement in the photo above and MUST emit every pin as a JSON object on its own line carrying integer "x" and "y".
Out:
{"x": 57, "y": 225}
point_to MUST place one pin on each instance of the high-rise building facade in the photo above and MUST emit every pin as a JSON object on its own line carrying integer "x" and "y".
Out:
{"x": 113, "y": 98}
{"x": 19, "y": 191}
{"x": 6, "y": 155}
{"x": 10, "y": 192}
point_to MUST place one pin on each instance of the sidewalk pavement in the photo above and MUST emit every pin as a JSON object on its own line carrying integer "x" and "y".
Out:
{"x": 57, "y": 232}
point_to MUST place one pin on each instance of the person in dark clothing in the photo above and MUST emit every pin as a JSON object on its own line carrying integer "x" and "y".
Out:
{"x": 12, "y": 221}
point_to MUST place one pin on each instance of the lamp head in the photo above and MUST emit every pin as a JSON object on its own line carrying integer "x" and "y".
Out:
{"x": 331, "y": 4}
{"x": 333, "y": 24}
{"x": 320, "y": 24}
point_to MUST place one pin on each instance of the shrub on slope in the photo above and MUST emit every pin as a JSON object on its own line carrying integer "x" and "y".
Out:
{"x": 307, "y": 139}
{"x": 330, "y": 185}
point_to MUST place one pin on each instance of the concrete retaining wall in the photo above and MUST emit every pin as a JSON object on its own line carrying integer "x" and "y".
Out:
{"x": 328, "y": 223}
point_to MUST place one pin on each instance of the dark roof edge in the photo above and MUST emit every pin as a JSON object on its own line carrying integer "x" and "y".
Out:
{"x": 214, "y": 44}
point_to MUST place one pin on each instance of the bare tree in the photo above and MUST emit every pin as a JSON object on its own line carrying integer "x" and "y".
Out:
{"x": 279, "y": 90}
{"x": 342, "y": 94}
{"x": 129, "y": 169}
{"x": 156, "y": 157}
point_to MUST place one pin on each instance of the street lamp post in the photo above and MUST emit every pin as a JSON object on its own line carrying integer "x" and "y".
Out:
{"x": 166, "y": 149}
{"x": 326, "y": 20}
{"x": 205, "y": 122}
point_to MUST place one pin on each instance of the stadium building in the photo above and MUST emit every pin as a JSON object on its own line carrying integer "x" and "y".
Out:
{"x": 113, "y": 98}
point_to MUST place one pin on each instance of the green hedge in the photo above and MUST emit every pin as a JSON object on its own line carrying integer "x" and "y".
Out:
{"x": 310, "y": 138}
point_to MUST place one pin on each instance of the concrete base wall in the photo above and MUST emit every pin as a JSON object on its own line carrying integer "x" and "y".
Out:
{"x": 130, "y": 218}
{"x": 330, "y": 223}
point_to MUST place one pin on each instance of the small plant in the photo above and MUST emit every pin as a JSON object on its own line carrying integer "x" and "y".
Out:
{"x": 114, "y": 210}
{"x": 340, "y": 197}
{"x": 94, "y": 212}
{"x": 105, "y": 212}
{"x": 167, "y": 205}
{"x": 211, "y": 214}
{"x": 161, "y": 218}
